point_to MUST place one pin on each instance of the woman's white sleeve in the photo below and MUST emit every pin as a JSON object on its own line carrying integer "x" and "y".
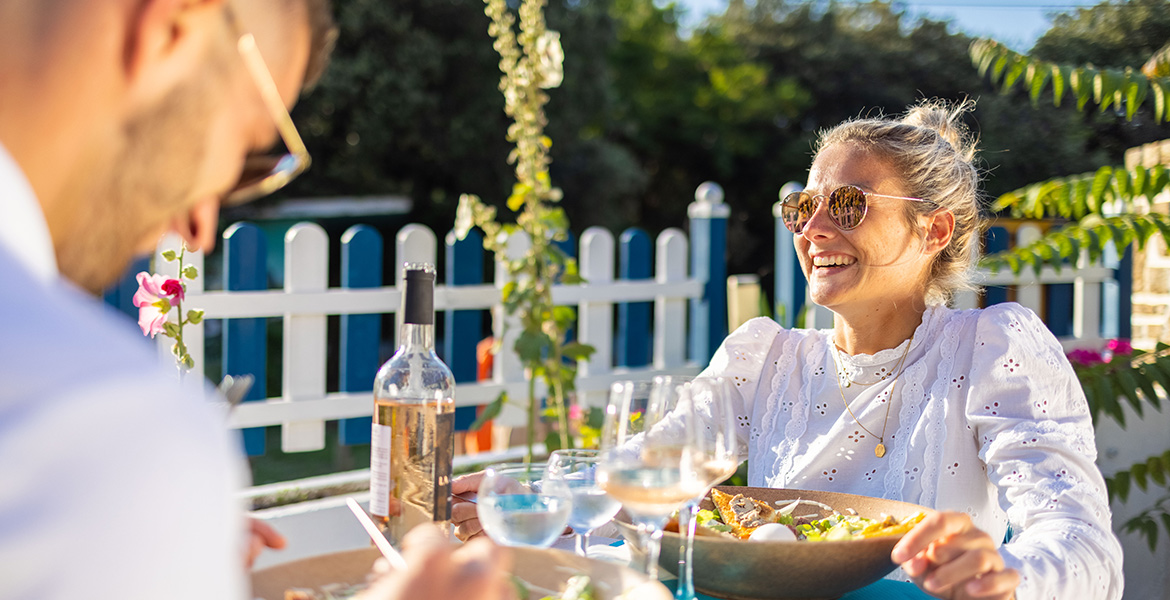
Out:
{"x": 1035, "y": 435}
{"x": 741, "y": 359}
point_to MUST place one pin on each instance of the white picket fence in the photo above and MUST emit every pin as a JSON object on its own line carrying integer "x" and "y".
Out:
{"x": 1094, "y": 288}
{"x": 305, "y": 302}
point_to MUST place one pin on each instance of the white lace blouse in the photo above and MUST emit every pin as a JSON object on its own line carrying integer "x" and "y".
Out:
{"x": 987, "y": 418}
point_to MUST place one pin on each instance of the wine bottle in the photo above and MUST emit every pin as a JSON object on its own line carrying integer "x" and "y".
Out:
{"x": 413, "y": 439}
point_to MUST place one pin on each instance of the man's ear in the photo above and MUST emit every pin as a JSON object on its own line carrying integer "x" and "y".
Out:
{"x": 940, "y": 227}
{"x": 165, "y": 38}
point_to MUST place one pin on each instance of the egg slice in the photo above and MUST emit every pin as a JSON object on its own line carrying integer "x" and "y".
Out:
{"x": 772, "y": 532}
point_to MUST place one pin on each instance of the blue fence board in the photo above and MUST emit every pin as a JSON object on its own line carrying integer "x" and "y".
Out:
{"x": 360, "y": 336}
{"x": 633, "y": 340}
{"x": 245, "y": 341}
{"x": 463, "y": 329}
{"x": 708, "y": 315}
{"x": 998, "y": 239}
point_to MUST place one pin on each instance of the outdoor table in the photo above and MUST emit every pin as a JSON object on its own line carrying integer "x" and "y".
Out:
{"x": 604, "y": 548}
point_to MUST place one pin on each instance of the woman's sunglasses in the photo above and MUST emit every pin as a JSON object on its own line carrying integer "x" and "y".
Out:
{"x": 847, "y": 207}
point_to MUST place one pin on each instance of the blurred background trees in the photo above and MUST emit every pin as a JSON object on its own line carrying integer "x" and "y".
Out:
{"x": 648, "y": 110}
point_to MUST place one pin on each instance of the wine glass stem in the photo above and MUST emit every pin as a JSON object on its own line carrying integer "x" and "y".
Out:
{"x": 584, "y": 540}
{"x": 652, "y": 542}
{"x": 687, "y": 515}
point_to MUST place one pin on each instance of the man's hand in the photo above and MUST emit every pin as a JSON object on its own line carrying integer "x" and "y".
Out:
{"x": 948, "y": 557}
{"x": 261, "y": 535}
{"x": 439, "y": 570}
{"x": 463, "y": 513}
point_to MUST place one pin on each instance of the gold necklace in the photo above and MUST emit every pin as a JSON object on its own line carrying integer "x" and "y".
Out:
{"x": 880, "y": 450}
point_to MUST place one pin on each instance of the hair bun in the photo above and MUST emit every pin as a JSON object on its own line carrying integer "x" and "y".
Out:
{"x": 946, "y": 119}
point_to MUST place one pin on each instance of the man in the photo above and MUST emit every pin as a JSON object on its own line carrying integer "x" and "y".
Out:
{"x": 121, "y": 120}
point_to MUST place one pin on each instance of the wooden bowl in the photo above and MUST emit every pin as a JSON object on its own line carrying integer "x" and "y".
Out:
{"x": 549, "y": 569}
{"x": 754, "y": 570}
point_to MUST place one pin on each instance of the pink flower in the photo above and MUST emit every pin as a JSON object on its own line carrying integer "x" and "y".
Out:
{"x": 575, "y": 412}
{"x": 1085, "y": 357}
{"x": 174, "y": 289}
{"x": 151, "y": 300}
{"x": 1120, "y": 346}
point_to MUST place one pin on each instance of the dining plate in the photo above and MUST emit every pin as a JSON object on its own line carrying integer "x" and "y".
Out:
{"x": 545, "y": 570}
{"x": 755, "y": 570}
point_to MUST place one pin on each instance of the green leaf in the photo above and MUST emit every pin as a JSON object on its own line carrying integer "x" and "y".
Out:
{"x": 1129, "y": 386}
{"x": 1016, "y": 67}
{"x": 1156, "y": 469}
{"x": 1060, "y": 75}
{"x": 1036, "y": 76}
{"x": 577, "y": 351}
{"x": 194, "y": 317}
{"x": 1138, "y": 472}
{"x": 1081, "y": 83}
{"x": 1147, "y": 385}
{"x": 1104, "y": 84}
{"x": 169, "y": 255}
{"x": 490, "y": 411}
{"x": 190, "y": 272}
{"x": 564, "y": 317}
{"x": 1121, "y": 488}
{"x": 531, "y": 346}
{"x": 1160, "y": 110}
{"x": 1135, "y": 93}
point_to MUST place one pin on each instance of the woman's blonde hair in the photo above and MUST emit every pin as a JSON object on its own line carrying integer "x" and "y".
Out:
{"x": 934, "y": 153}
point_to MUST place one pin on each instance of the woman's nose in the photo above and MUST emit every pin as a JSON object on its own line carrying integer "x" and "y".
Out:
{"x": 819, "y": 224}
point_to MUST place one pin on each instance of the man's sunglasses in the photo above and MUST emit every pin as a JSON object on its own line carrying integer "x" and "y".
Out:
{"x": 264, "y": 174}
{"x": 847, "y": 207}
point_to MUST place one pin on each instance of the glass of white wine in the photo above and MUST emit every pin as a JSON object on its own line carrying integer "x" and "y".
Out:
{"x": 592, "y": 507}
{"x": 518, "y": 508}
{"x": 648, "y": 463}
{"x": 714, "y": 446}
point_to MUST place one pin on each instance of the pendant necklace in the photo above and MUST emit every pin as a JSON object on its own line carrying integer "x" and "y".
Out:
{"x": 880, "y": 450}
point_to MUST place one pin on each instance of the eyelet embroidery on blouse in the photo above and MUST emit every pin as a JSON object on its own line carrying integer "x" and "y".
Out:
{"x": 829, "y": 474}
{"x": 935, "y": 406}
{"x": 822, "y": 408}
{"x": 774, "y": 407}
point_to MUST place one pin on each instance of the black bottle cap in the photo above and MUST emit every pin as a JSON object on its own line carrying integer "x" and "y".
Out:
{"x": 418, "y": 299}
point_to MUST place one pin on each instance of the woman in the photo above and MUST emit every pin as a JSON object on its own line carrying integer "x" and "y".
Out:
{"x": 976, "y": 413}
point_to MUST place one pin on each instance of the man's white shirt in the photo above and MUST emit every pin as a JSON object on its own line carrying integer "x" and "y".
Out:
{"x": 115, "y": 481}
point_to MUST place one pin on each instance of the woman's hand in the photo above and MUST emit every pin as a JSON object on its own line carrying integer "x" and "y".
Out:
{"x": 948, "y": 557}
{"x": 463, "y": 513}
{"x": 439, "y": 570}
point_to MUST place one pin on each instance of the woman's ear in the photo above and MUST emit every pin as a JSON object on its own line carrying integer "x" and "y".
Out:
{"x": 939, "y": 227}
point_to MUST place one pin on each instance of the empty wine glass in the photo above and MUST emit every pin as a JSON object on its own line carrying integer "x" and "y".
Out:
{"x": 592, "y": 507}
{"x": 714, "y": 447}
{"x": 517, "y": 508}
{"x": 647, "y": 459}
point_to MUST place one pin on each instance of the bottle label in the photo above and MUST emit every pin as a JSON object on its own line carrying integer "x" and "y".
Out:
{"x": 380, "y": 470}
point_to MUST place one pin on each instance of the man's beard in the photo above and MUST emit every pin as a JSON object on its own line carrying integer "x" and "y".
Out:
{"x": 151, "y": 181}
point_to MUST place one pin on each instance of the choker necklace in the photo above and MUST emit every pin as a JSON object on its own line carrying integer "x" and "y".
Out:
{"x": 880, "y": 450}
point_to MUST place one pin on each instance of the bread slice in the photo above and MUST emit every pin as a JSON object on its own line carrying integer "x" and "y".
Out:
{"x": 743, "y": 514}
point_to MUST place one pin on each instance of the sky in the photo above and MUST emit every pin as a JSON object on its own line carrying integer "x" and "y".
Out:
{"x": 1016, "y": 23}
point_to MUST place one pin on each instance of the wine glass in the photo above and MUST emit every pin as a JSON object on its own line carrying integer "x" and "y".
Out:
{"x": 647, "y": 461}
{"x": 517, "y": 508}
{"x": 715, "y": 451}
{"x": 592, "y": 507}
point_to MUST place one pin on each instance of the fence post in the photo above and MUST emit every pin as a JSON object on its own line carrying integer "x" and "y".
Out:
{"x": 789, "y": 284}
{"x": 360, "y": 335}
{"x": 306, "y": 269}
{"x": 506, "y": 366}
{"x": 595, "y": 319}
{"x": 633, "y": 338}
{"x": 1030, "y": 295}
{"x": 463, "y": 329}
{"x": 708, "y": 215}
{"x": 1086, "y": 303}
{"x": 245, "y": 341}
{"x": 670, "y": 314}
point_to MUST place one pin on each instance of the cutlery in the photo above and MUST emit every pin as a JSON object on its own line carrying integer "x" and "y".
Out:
{"x": 380, "y": 540}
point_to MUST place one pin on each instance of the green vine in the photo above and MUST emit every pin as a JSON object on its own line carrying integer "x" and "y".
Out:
{"x": 531, "y": 62}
